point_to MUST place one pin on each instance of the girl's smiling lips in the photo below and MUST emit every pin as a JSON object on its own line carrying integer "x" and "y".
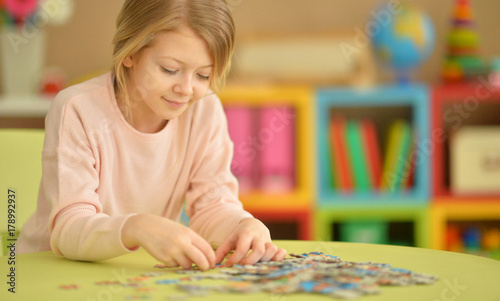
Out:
{"x": 174, "y": 104}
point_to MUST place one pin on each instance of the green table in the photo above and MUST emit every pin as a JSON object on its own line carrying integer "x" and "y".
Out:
{"x": 462, "y": 277}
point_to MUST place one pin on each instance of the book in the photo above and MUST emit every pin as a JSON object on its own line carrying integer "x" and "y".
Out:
{"x": 373, "y": 157}
{"x": 409, "y": 169}
{"x": 240, "y": 122}
{"x": 276, "y": 136}
{"x": 330, "y": 180}
{"x": 396, "y": 156}
{"x": 356, "y": 153}
{"x": 340, "y": 160}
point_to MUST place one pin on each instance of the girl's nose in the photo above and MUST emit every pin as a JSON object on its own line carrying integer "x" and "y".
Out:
{"x": 184, "y": 86}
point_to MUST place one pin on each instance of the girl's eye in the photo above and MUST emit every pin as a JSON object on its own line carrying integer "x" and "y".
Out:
{"x": 204, "y": 77}
{"x": 168, "y": 70}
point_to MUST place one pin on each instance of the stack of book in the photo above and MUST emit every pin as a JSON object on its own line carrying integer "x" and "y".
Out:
{"x": 264, "y": 144}
{"x": 356, "y": 158}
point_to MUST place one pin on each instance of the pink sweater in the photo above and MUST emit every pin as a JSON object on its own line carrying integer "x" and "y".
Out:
{"x": 98, "y": 171}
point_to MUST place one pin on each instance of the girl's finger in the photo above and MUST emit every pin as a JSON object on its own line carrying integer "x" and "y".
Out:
{"x": 183, "y": 260}
{"x": 258, "y": 250}
{"x": 170, "y": 262}
{"x": 271, "y": 251}
{"x": 196, "y": 256}
{"x": 243, "y": 245}
{"x": 224, "y": 249}
{"x": 205, "y": 248}
{"x": 280, "y": 255}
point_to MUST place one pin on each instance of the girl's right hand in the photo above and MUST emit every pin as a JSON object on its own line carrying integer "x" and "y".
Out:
{"x": 168, "y": 241}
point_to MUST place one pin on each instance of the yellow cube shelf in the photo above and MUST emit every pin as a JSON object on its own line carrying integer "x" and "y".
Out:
{"x": 301, "y": 99}
{"x": 444, "y": 210}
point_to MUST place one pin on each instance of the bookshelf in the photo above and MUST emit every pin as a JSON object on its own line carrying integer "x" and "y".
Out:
{"x": 383, "y": 106}
{"x": 385, "y": 103}
{"x": 454, "y": 107}
{"x": 294, "y": 205}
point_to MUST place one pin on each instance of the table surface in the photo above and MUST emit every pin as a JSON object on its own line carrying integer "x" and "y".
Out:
{"x": 462, "y": 277}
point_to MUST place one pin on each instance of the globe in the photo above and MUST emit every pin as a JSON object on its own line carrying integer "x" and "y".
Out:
{"x": 402, "y": 37}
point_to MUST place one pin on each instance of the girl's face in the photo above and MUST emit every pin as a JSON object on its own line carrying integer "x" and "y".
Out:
{"x": 169, "y": 75}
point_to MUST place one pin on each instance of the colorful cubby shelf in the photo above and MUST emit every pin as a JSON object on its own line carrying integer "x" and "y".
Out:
{"x": 378, "y": 100}
{"x": 382, "y": 105}
{"x": 318, "y": 208}
{"x": 454, "y": 107}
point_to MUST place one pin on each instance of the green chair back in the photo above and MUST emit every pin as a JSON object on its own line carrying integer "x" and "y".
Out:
{"x": 20, "y": 175}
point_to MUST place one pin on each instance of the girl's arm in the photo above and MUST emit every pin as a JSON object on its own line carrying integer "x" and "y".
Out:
{"x": 70, "y": 180}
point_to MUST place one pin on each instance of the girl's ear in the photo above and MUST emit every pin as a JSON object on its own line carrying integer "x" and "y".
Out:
{"x": 128, "y": 61}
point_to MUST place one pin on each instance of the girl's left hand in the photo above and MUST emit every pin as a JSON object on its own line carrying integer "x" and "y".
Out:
{"x": 250, "y": 234}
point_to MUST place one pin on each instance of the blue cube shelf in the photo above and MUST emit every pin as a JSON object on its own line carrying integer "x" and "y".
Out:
{"x": 414, "y": 97}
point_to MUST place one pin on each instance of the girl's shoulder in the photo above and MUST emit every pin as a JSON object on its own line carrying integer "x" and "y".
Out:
{"x": 91, "y": 97}
{"x": 88, "y": 89}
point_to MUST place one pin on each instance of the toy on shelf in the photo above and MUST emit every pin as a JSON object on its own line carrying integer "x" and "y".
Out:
{"x": 402, "y": 38}
{"x": 462, "y": 62}
{"x": 478, "y": 238}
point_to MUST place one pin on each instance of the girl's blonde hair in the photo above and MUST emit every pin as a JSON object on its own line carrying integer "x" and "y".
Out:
{"x": 140, "y": 20}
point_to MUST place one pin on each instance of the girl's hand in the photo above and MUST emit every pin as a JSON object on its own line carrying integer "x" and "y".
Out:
{"x": 169, "y": 242}
{"x": 250, "y": 234}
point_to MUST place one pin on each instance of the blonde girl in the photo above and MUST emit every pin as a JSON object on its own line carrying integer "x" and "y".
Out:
{"x": 125, "y": 150}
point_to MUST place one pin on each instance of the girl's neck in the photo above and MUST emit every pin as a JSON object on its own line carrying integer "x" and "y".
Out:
{"x": 139, "y": 117}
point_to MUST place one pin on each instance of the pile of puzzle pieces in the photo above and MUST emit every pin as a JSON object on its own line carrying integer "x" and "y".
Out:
{"x": 312, "y": 272}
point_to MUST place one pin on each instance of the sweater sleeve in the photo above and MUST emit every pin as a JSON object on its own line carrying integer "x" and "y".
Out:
{"x": 79, "y": 229}
{"x": 212, "y": 202}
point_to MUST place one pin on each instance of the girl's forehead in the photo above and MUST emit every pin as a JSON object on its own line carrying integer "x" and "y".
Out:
{"x": 183, "y": 45}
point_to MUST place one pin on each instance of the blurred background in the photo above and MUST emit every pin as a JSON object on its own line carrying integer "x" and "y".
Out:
{"x": 371, "y": 121}
{"x": 83, "y": 44}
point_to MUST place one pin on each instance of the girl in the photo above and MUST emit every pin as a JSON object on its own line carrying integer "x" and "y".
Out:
{"x": 124, "y": 150}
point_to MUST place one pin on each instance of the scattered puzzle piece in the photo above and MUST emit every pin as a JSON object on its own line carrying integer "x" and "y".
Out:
{"x": 312, "y": 272}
